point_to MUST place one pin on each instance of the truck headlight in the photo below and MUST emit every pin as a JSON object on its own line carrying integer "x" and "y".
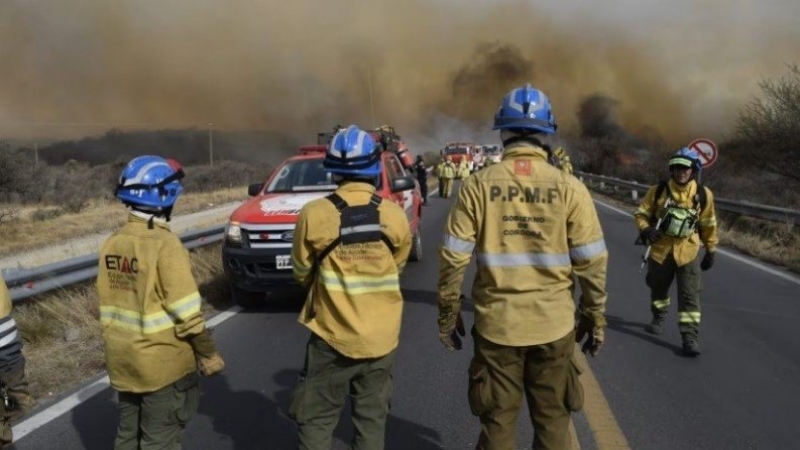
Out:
{"x": 233, "y": 233}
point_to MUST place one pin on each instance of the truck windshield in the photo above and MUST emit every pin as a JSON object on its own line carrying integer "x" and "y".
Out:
{"x": 302, "y": 175}
{"x": 455, "y": 151}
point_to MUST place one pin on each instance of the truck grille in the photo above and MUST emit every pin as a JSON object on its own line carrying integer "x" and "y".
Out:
{"x": 268, "y": 236}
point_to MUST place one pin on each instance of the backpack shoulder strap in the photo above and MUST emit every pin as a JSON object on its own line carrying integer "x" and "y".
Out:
{"x": 337, "y": 201}
{"x": 701, "y": 197}
{"x": 375, "y": 201}
{"x": 662, "y": 186}
{"x": 340, "y": 205}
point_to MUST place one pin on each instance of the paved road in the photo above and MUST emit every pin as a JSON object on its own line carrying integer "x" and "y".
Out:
{"x": 740, "y": 394}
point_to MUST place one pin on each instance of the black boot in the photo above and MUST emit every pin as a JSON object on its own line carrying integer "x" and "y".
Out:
{"x": 691, "y": 345}
{"x": 655, "y": 326}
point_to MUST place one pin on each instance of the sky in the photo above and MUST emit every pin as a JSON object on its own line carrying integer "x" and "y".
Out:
{"x": 436, "y": 69}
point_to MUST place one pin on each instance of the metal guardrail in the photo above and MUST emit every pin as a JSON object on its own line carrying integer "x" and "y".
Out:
{"x": 24, "y": 283}
{"x": 772, "y": 213}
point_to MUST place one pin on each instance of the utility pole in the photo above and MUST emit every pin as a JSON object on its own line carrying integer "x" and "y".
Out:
{"x": 371, "y": 103}
{"x": 211, "y": 144}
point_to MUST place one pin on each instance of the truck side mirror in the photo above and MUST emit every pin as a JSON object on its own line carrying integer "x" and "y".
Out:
{"x": 254, "y": 189}
{"x": 402, "y": 184}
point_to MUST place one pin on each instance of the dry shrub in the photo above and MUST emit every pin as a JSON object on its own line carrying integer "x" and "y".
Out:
{"x": 773, "y": 242}
{"x": 62, "y": 339}
{"x": 224, "y": 174}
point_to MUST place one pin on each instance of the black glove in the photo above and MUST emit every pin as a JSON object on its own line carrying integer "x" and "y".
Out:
{"x": 650, "y": 235}
{"x": 450, "y": 336}
{"x": 596, "y": 335}
{"x": 708, "y": 261}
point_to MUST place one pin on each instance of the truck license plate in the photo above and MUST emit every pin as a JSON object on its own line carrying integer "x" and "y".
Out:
{"x": 283, "y": 262}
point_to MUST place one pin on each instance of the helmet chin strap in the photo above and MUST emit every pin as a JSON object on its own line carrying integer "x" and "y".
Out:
{"x": 165, "y": 214}
{"x": 509, "y": 137}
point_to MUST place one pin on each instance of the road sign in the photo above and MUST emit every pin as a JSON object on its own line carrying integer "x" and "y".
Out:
{"x": 707, "y": 151}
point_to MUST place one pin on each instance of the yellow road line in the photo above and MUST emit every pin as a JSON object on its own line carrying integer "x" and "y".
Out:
{"x": 606, "y": 430}
{"x": 573, "y": 438}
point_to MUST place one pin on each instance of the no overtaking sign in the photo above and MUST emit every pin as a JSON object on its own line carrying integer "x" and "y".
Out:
{"x": 707, "y": 151}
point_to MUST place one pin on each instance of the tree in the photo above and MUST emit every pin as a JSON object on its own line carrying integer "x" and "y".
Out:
{"x": 767, "y": 133}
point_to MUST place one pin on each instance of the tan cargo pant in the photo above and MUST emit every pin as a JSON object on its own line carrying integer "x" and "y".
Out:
{"x": 19, "y": 402}
{"x": 328, "y": 377}
{"x": 547, "y": 374}
{"x": 448, "y": 187}
{"x": 690, "y": 284}
{"x": 156, "y": 420}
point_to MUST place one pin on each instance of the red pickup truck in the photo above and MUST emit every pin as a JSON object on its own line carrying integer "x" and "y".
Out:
{"x": 258, "y": 238}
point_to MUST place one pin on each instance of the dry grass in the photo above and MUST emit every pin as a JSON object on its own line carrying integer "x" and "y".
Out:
{"x": 25, "y": 233}
{"x": 62, "y": 335}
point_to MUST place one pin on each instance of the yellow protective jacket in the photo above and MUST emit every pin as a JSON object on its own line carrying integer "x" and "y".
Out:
{"x": 684, "y": 250}
{"x": 11, "y": 359}
{"x": 448, "y": 170}
{"x": 5, "y": 299}
{"x": 463, "y": 169}
{"x": 355, "y": 293}
{"x": 531, "y": 227}
{"x": 149, "y": 306}
{"x": 564, "y": 162}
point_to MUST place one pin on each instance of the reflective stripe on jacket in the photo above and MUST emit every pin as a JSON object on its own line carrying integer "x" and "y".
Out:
{"x": 149, "y": 307}
{"x": 532, "y": 227}
{"x": 11, "y": 358}
{"x": 684, "y": 250}
{"x": 356, "y": 295}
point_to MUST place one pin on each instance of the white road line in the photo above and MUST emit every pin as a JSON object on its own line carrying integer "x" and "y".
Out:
{"x": 758, "y": 265}
{"x": 70, "y": 402}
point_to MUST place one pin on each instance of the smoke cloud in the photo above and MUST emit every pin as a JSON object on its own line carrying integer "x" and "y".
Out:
{"x": 435, "y": 69}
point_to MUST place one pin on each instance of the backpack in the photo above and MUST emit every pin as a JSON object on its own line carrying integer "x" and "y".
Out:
{"x": 359, "y": 224}
{"x": 700, "y": 198}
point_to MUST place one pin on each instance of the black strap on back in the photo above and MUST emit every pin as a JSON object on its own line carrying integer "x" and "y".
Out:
{"x": 358, "y": 224}
{"x": 357, "y": 237}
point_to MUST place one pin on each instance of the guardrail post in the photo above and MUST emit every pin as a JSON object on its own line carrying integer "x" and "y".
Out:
{"x": 602, "y": 185}
{"x": 634, "y": 195}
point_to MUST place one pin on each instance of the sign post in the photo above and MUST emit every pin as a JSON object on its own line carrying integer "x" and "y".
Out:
{"x": 707, "y": 151}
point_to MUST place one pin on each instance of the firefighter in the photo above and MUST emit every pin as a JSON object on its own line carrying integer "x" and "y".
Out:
{"x": 532, "y": 228}
{"x": 422, "y": 176}
{"x": 561, "y": 160}
{"x": 439, "y": 174}
{"x": 673, "y": 218}
{"x": 16, "y": 398}
{"x": 349, "y": 250}
{"x": 155, "y": 336}
{"x": 448, "y": 173}
{"x": 463, "y": 169}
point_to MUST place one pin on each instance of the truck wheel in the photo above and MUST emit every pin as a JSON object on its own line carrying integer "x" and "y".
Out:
{"x": 416, "y": 247}
{"x": 247, "y": 299}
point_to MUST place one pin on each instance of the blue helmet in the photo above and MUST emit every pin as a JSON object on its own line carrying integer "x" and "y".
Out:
{"x": 525, "y": 108}
{"x": 353, "y": 152}
{"x": 687, "y": 158}
{"x": 151, "y": 183}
